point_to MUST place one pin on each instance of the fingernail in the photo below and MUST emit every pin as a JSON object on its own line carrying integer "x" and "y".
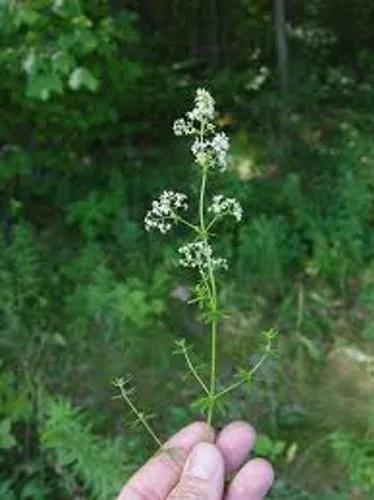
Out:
{"x": 203, "y": 461}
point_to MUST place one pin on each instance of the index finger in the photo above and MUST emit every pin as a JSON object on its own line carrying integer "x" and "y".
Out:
{"x": 161, "y": 473}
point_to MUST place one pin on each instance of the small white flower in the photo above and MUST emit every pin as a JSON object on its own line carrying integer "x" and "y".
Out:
{"x": 199, "y": 254}
{"x": 195, "y": 254}
{"x": 162, "y": 214}
{"x": 203, "y": 153}
{"x": 211, "y": 153}
{"x": 209, "y": 149}
{"x": 226, "y": 206}
{"x": 220, "y": 146}
{"x": 182, "y": 127}
{"x": 199, "y": 146}
{"x": 259, "y": 79}
{"x": 57, "y": 4}
{"x": 28, "y": 63}
{"x": 204, "y": 107}
{"x": 203, "y": 111}
{"x": 219, "y": 262}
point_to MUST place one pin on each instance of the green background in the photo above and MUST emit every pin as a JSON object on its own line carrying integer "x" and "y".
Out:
{"x": 88, "y": 94}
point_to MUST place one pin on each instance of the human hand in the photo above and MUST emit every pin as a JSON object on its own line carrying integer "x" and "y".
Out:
{"x": 193, "y": 465}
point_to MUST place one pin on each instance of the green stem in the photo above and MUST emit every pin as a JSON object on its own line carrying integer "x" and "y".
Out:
{"x": 238, "y": 384}
{"x": 139, "y": 415}
{"x": 194, "y": 371}
{"x": 300, "y": 307}
{"x": 229, "y": 389}
{"x": 211, "y": 288}
{"x": 202, "y": 202}
{"x": 213, "y": 221}
{"x": 213, "y": 364}
{"x": 258, "y": 364}
{"x": 213, "y": 306}
{"x": 176, "y": 217}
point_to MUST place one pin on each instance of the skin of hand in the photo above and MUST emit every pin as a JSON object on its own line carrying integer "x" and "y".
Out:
{"x": 194, "y": 463}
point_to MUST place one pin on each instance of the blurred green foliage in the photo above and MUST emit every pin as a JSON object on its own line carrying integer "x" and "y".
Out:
{"x": 88, "y": 92}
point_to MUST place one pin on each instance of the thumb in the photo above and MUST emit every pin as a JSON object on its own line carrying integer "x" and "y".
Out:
{"x": 202, "y": 476}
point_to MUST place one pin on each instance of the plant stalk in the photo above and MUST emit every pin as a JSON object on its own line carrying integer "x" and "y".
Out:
{"x": 140, "y": 416}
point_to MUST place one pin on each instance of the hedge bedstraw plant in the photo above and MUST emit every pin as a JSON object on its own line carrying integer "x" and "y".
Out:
{"x": 210, "y": 153}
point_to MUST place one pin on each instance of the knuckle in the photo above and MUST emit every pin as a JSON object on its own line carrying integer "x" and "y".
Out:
{"x": 146, "y": 493}
{"x": 172, "y": 459}
{"x": 190, "y": 489}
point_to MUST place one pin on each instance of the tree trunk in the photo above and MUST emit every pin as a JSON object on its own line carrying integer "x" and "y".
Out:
{"x": 212, "y": 34}
{"x": 281, "y": 43}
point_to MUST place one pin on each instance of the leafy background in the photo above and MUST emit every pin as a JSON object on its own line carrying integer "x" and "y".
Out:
{"x": 88, "y": 93}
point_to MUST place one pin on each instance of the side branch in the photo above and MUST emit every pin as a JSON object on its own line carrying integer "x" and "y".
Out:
{"x": 120, "y": 384}
{"x": 193, "y": 370}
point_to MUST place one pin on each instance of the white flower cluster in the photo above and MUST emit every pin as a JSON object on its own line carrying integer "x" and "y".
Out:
{"x": 221, "y": 206}
{"x": 183, "y": 127}
{"x": 220, "y": 146}
{"x": 313, "y": 37}
{"x": 203, "y": 110}
{"x": 204, "y": 107}
{"x": 163, "y": 213}
{"x": 199, "y": 254}
{"x": 259, "y": 79}
{"x": 211, "y": 151}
